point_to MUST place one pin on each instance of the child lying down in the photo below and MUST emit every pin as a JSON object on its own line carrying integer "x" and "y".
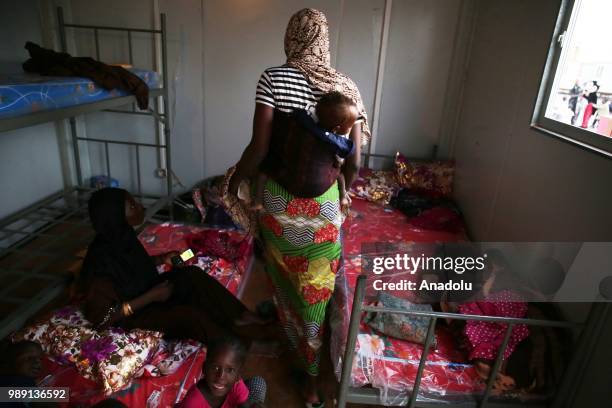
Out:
{"x": 482, "y": 340}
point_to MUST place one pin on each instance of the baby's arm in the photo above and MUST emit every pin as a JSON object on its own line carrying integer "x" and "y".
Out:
{"x": 345, "y": 200}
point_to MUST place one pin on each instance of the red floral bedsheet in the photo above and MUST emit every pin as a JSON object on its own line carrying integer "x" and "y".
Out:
{"x": 384, "y": 362}
{"x": 150, "y": 392}
{"x": 227, "y": 255}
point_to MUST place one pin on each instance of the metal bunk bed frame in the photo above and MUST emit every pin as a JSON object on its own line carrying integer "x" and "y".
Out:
{"x": 62, "y": 215}
{"x": 371, "y": 396}
{"x": 348, "y": 394}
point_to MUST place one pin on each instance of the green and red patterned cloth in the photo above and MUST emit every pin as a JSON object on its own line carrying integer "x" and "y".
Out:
{"x": 303, "y": 247}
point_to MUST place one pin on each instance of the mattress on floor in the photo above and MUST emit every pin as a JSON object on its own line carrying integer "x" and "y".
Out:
{"x": 146, "y": 391}
{"x": 22, "y": 94}
{"x": 167, "y": 237}
{"x": 383, "y": 362}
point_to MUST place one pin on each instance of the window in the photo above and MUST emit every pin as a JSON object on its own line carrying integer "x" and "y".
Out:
{"x": 575, "y": 96}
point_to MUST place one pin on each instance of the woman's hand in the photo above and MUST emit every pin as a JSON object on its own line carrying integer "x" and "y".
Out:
{"x": 345, "y": 202}
{"x": 161, "y": 292}
{"x": 165, "y": 258}
{"x": 234, "y": 184}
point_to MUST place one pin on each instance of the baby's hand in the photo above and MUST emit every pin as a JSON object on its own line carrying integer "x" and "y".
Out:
{"x": 345, "y": 202}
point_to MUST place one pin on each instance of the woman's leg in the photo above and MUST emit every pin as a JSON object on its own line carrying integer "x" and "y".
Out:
{"x": 176, "y": 321}
{"x": 303, "y": 326}
{"x": 195, "y": 287}
{"x": 303, "y": 249}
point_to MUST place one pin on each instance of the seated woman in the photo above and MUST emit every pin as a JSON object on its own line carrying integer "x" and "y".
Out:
{"x": 122, "y": 286}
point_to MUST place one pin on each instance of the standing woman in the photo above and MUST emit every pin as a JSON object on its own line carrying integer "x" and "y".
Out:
{"x": 301, "y": 235}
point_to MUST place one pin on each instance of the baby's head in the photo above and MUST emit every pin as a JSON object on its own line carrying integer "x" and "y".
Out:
{"x": 224, "y": 360}
{"x": 24, "y": 358}
{"x": 336, "y": 112}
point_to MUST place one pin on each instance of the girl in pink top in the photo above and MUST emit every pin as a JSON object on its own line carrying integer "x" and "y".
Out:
{"x": 221, "y": 385}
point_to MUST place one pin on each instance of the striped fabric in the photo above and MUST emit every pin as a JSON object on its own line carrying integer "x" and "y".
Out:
{"x": 285, "y": 89}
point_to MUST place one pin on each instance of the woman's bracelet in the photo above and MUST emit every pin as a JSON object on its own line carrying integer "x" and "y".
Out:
{"x": 107, "y": 317}
{"x": 127, "y": 309}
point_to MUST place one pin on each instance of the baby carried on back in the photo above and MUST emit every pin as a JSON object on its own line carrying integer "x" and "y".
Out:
{"x": 307, "y": 148}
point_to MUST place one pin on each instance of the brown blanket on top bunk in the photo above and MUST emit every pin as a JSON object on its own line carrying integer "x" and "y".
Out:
{"x": 51, "y": 63}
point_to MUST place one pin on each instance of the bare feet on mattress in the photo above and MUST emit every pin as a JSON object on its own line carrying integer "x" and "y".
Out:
{"x": 502, "y": 382}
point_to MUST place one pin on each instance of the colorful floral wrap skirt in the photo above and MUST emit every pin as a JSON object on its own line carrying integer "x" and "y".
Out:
{"x": 303, "y": 248}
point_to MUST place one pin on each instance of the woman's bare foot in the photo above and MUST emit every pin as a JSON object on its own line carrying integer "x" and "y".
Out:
{"x": 502, "y": 382}
{"x": 482, "y": 368}
{"x": 310, "y": 391}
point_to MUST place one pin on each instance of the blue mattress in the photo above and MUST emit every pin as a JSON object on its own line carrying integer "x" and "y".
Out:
{"x": 22, "y": 94}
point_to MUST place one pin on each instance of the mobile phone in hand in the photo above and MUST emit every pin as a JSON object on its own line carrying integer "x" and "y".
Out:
{"x": 182, "y": 257}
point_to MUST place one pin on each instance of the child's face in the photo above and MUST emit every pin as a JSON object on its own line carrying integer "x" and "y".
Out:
{"x": 337, "y": 118}
{"x": 28, "y": 362}
{"x": 345, "y": 127}
{"x": 221, "y": 372}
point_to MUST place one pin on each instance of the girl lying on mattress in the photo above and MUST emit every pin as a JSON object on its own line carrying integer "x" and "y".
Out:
{"x": 122, "y": 286}
{"x": 499, "y": 296}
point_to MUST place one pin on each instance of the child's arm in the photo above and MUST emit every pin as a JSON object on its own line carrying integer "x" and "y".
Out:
{"x": 341, "y": 185}
{"x": 345, "y": 200}
{"x": 350, "y": 169}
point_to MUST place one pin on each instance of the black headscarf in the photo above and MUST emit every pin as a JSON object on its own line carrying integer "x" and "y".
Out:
{"x": 116, "y": 253}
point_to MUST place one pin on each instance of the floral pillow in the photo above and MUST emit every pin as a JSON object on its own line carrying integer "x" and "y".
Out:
{"x": 111, "y": 357}
{"x": 170, "y": 356}
{"x": 435, "y": 176}
{"x": 405, "y": 327}
{"x": 378, "y": 186}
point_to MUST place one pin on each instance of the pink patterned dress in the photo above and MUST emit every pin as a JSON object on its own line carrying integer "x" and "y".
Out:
{"x": 485, "y": 338}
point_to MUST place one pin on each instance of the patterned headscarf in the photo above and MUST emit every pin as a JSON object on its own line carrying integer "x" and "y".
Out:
{"x": 307, "y": 49}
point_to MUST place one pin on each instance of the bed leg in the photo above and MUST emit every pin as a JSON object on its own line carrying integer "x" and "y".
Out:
{"x": 496, "y": 367}
{"x": 417, "y": 381}
{"x": 349, "y": 351}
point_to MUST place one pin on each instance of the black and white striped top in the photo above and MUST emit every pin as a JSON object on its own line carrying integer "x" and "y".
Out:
{"x": 285, "y": 88}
